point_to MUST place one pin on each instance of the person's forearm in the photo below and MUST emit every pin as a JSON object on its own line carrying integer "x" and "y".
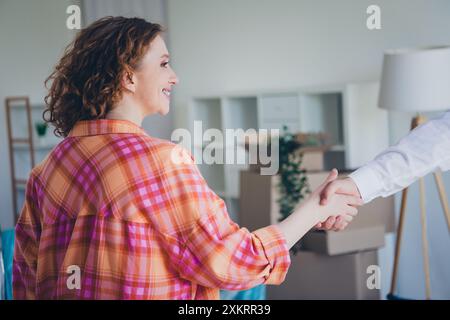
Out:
{"x": 296, "y": 225}
{"x": 422, "y": 151}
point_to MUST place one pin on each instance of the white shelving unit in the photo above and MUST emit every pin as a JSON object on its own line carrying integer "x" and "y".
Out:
{"x": 348, "y": 113}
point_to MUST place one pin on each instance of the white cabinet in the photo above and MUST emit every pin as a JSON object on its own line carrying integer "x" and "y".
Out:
{"x": 240, "y": 113}
{"x": 208, "y": 111}
{"x": 322, "y": 112}
{"x": 279, "y": 110}
{"x": 279, "y": 107}
{"x": 347, "y": 113}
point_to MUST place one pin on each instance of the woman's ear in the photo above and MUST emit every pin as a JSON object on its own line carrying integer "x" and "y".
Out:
{"x": 129, "y": 81}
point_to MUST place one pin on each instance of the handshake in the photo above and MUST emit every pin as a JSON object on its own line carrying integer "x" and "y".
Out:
{"x": 337, "y": 201}
{"x": 332, "y": 206}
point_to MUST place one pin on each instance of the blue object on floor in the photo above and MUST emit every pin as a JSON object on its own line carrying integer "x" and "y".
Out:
{"x": 255, "y": 293}
{"x": 391, "y": 296}
{"x": 8, "y": 254}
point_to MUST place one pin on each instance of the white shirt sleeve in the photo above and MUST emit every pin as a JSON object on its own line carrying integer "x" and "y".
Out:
{"x": 422, "y": 151}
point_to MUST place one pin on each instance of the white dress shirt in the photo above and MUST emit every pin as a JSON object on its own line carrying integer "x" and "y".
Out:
{"x": 423, "y": 150}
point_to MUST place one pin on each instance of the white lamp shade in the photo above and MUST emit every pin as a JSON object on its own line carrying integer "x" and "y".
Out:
{"x": 416, "y": 80}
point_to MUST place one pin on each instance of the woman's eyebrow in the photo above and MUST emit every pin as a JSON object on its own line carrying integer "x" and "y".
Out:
{"x": 165, "y": 56}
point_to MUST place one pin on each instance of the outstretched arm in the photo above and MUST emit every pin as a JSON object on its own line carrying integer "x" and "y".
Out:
{"x": 422, "y": 151}
{"x": 208, "y": 248}
{"x": 310, "y": 212}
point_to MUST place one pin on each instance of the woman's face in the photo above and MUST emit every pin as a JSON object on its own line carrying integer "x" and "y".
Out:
{"x": 154, "y": 79}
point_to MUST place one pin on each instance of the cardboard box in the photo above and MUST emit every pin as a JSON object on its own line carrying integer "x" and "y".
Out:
{"x": 334, "y": 159}
{"x": 346, "y": 241}
{"x": 313, "y": 159}
{"x": 316, "y": 276}
{"x": 259, "y": 208}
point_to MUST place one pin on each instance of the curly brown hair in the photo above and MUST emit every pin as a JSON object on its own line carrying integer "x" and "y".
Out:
{"x": 86, "y": 83}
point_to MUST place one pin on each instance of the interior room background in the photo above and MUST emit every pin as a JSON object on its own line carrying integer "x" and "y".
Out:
{"x": 236, "y": 45}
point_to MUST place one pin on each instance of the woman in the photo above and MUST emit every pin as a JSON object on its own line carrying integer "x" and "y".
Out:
{"x": 108, "y": 215}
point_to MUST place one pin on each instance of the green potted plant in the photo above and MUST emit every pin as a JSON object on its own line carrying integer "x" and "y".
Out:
{"x": 293, "y": 184}
{"x": 41, "y": 130}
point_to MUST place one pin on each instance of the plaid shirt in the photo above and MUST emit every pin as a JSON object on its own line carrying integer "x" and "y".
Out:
{"x": 109, "y": 202}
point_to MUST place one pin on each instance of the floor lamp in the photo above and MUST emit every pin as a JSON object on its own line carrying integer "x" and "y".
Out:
{"x": 416, "y": 80}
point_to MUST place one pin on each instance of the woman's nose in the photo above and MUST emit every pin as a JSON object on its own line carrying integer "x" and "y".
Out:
{"x": 174, "y": 79}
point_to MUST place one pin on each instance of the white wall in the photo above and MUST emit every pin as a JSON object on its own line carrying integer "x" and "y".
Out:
{"x": 33, "y": 35}
{"x": 237, "y": 45}
{"x": 255, "y": 44}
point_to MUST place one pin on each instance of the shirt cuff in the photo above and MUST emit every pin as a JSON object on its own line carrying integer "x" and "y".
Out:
{"x": 367, "y": 182}
{"x": 277, "y": 252}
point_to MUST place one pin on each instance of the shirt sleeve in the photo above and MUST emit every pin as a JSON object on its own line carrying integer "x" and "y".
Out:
{"x": 424, "y": 150}
{"x": 27, "y": 235}
{"x": 213, "y": 251}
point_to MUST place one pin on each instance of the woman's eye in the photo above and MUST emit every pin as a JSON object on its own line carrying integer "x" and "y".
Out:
{"x": 165, "y": 64}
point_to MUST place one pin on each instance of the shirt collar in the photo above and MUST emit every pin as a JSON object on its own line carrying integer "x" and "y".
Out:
{"x": 104, "y": 126}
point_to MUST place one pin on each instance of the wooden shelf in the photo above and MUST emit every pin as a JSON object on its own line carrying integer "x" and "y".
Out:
{"x": 20, "y": 183}
{"x": 339, "y": 147}
{"x": 44, "y": 147}
{"x": 23, "y": 139}
{"x": 21, "y": 187}
{"x": 32, "y": 106}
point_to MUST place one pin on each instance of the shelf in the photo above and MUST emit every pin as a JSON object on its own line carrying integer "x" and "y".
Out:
{"x": 347, "y": 113}
{"x": 32, "y": 106}
{"x": 241, "y": 113}
{"x": 21, "y": 184}
{"x": 37, "y": 147}
{"x": 207, "y": 111}
{"x": 338, "y": 147}
{"x": 323, "y": 113}
{"x": 279, "y": 107}
{"x": 21, "y": 187}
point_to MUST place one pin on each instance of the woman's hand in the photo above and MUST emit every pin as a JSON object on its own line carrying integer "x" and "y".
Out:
{"x": 338, "y": 211}
{"x": 338, "y": 186}
{"x": 310, "y": 212}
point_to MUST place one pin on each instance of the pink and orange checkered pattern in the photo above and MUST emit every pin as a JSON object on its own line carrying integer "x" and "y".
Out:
{"x": 109, "y": 200}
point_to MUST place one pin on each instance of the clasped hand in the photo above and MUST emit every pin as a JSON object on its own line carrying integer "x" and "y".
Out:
{"x": 339, "y": 199}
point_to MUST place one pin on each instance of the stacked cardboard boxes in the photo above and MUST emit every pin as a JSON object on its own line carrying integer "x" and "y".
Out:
{"x": 331, "y": 265}
{"x": 318, "y": 276}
